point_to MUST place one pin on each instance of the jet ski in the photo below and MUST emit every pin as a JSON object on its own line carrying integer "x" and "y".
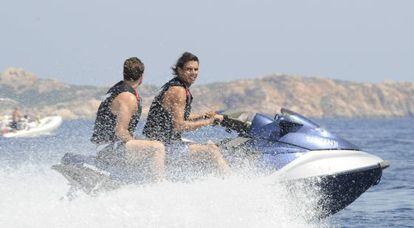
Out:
{"x": 27, "y": 128}
{"x": 288, "y": 148}
{"x": 297, "y": 151}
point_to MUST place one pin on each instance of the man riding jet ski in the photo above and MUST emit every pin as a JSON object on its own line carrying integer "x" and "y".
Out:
{"x": 289, "y": 147}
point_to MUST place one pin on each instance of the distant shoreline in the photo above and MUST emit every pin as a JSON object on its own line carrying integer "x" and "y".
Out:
{"x": 310, "y": 96}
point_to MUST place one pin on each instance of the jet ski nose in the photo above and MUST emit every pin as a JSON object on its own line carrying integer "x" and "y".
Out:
{"x": 384, "y": 164}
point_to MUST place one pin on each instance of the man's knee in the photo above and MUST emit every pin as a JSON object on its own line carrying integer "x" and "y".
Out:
{"x": 156, "y": 148}
{"x": 158, "y": 145}
{"x": 160, "y": 150}
{"x": 213, "y": 150}
{"x": 213, "y": 147}
{"x": 207, "y": 151}
{"x": 143, "y": 144}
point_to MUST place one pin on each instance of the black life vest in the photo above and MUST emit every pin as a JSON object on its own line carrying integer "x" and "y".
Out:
{"x": 105, "y": 123}
{"x": 159, "y": 124}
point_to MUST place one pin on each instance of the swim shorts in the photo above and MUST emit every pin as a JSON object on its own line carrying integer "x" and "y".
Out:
{"x": 112, "y": 153}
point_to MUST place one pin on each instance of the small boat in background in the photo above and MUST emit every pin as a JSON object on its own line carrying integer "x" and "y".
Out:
{"x": 43, "y": 126}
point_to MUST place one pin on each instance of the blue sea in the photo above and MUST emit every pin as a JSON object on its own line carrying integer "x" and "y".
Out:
{"x": 31, "y": 192}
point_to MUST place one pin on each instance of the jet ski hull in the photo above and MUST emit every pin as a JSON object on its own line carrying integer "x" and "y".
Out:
{"x": 335, "y": 192}
{"x": 288, "y": 149}
{"x": 338, "y": 177}
{"x": 86, "y": 177}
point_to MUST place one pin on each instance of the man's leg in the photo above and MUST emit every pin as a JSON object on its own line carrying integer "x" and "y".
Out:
{"x": 197, "y": 151}
{"x": 137, "y": 150}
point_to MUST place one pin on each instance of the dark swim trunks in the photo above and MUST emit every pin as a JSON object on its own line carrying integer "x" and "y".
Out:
{"x": 112, "y": 153}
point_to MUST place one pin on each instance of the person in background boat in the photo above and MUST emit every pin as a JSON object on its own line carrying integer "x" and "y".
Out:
{"x": 16, "y": 118}
{"x": 116, "y": 120}
{"x": 37, "y": 119}
{"x": 170, "y": 115}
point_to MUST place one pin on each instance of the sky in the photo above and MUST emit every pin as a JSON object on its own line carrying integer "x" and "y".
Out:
{"x": 85, "y": 42}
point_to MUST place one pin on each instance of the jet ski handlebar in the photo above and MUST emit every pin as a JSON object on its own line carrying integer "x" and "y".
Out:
{"x": 236, "y": 125}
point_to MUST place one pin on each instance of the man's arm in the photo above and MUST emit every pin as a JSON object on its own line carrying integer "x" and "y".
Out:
{"x": 196, "y": 117}
{"x": 174, "y": 102}
{"x": 206, "y": 115}
{"x": 124, "y": 106}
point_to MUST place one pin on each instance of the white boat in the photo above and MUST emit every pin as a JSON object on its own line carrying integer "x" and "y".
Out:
{"x": 32, "y": 129}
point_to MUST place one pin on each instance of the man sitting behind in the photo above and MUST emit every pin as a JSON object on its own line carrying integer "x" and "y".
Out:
{"x": 116, "y": 120}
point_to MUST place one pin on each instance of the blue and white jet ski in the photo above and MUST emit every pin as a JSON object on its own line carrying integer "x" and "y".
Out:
{"x": 290, "y": 147}
{"x": 296, "y": 150}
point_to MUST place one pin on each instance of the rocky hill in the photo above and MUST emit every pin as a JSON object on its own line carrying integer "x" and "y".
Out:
{"x": 307, "y": 95}
{"x": 311, "y": 96}
{"x": 46, "y": 97}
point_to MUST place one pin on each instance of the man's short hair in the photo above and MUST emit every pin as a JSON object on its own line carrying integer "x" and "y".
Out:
{"x": 133, "y": 69}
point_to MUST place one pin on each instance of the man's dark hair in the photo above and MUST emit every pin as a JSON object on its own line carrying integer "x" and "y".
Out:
{"x": 133, "y": 69}
{"x": 185, "y": 57}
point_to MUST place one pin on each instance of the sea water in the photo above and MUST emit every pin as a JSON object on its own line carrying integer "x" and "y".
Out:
{"x": 32, "y": 194}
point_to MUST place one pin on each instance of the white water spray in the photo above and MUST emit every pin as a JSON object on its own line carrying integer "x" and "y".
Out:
{"x": 31, "y": 198}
